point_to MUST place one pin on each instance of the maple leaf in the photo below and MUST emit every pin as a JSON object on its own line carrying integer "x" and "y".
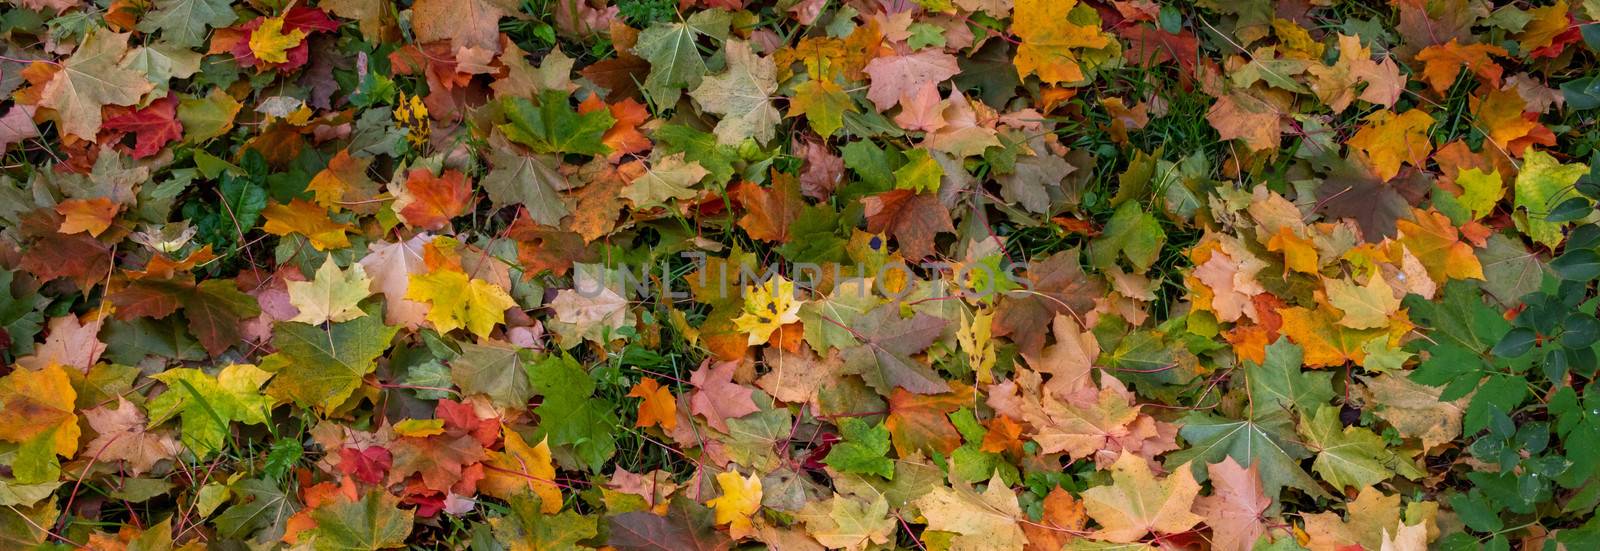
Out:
{"x": 333, "y": 295}
{"x": 375, "y": 521}
{"x": 742, "y": 96}
{"x": 1050, "y": 31}
{"x": 741, "y": 498}
{"x": 1436, "y": 243}
{"x": 529, "y": 528}
{"x": 524, "y": 80}
{"x": 623, "y": 138}
{"x": 675, "y": 60}
{"x": 207, "y": 404}
{"x": 1541, "y": 184}
{"x": 269, "y": 42}
{"x": 522, "y": 468}
{"x": 494, "y": 369}
{"x": 307, "y": 219}
{"x": 1135, "y": 503}
{"x": 666, "y": 178}
{"x": 769, "y": 212}
{"x": 1370, "y": 513}
{"x": 1365, "y": 306}
{"x": 621, "y": 75}
{"x": 824, "y": 103}
{"x": 155, "y": 126}
{"x": 553, "y": 126}
{"x": 1236, "y": 510}
{"x": 215, "y": 309}
{"x": 597, "y": 315}
{"x": 206, "y": 118}
{"x": 391, "y": 266}
{"x": 682, "y": 527}
{"x": 717, "y": 397}
{"x": 531, "y": 181}
{"x": 842, "y": 522}
{"x": 93, "y": 216}
{"x": 982, "y": 521}
{"x": 768, "y": 307}
{"x": 1063, "y": 517}
{"x": 863, "y": 449}
{"x": 184, "y": 22}
{"x": 1414, "y": 409}
{"x": 323, "y": 366}
{"x": 429, "y": 202}
{"x": 894, "y": 77}
{"x": 922, "y": 422}
{"x": 1069, "y": 360}
{"x": 344, "y": 177}
{"x": 466, "y": 24}
{"x": 1389, "y": 139}
{"x": 1350, "y": 456}
{"x": 1442, "y": 62}
{"x": 121, "y": 435}
{"x": 577, "y": 424}
{"x": 456, "y": 300}
{"x": 887, "y": 341}
{"x": 914, "y": 219}
{"x": 91, "y": 79}
{"x": 1056, "y": 286}
{"x": 657, "y": 406}
{"x": 1241, "y": 116}
{"x": 40, "y": 402}
{"x": 1336, "y": 85}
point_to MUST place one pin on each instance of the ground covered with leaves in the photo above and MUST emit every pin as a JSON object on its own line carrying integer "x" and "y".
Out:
{"x": 799, "y": 274}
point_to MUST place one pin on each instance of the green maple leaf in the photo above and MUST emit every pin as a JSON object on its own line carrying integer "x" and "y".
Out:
{"x": 493, "y": 369}
{"x": 1541, "y": 184}
{"x": 1131, "y": 233}
{"x": 883, "y": 359}
{"x": 743, "y": 96}
{"x": 373, "y": 522}
{"x": 322, "y": 367}
{"x": 1273, "y": 444}
{"x": 864, "y": 450}
{"x": 1350, "y": 456}
{"x": 1280, "y": 387}
{"x": 526, "y": 525}
{"x": 207, "y": 404}
{"x": 569, "y": 415}
{"x": 259, "y": 504}
{"x": 528, "y": 181}
{"x": 17, "y": 315}
{"x": 184, "y": 22}
{"x": 675, "y": 60}
{"x": 697, "y": 147}
{"x": 553, "y": 126}
{"x": 920, "y": 173}
{"x": 827, "y": 321}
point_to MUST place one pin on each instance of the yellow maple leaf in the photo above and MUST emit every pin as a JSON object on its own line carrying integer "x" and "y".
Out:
{"x": 1328, "y": 344}
{"x": 456, "y": 300}
{"x": 1298, "y": 252}
{"x": 741, "y": 498}
{"x": 1389, "y": 140}
{"x": 522, "y": 468}
{"x": 1050, "y": 30}
{"x": 766, "y": 308}
{"x": 1365, "y": 306}
{"x": 308, "y": 219}
{"x": 270, "y": 44}
{"x": 1135, "y": 503}
{"x": 40, "y": 404}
